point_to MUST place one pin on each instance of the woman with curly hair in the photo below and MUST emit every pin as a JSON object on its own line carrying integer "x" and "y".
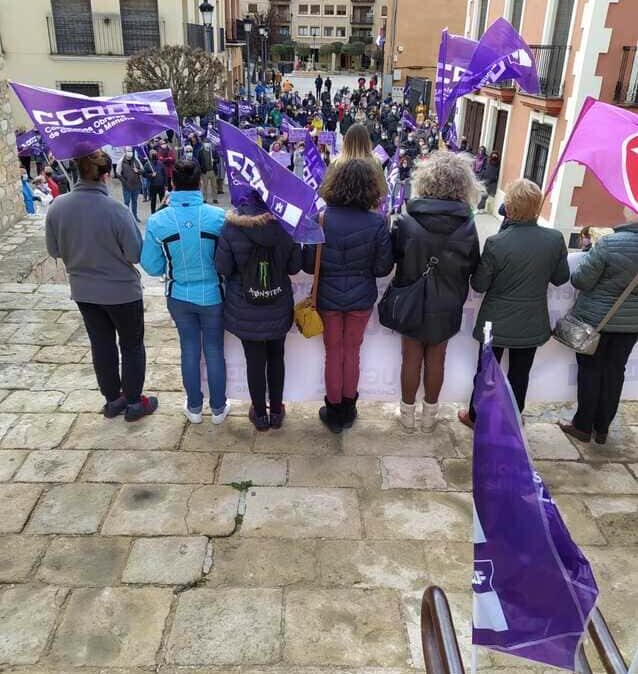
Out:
{"x": 437, "y": 235}
{"x": 357, "y": 250}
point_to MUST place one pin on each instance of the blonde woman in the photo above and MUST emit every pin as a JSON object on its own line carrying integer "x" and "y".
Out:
{"x": 437, "y": 233}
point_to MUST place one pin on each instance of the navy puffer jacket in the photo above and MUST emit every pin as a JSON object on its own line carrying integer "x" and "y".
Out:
{"x": 242, "y": 319}
{"x": 357, "y": 251}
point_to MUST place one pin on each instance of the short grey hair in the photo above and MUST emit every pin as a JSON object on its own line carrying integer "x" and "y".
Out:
{"x": 447, "y": 175}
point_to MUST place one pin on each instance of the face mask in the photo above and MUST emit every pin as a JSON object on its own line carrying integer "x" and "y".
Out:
{"x": 25, "y": 178}
{"x": 129, "y": 155}
{"x": 586, "y": 241}
{"x": 189, "y": 155}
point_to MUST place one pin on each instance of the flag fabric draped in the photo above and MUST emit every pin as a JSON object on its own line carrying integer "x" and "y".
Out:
{"x": 396, "y": 191}
{"x": 605, "y": 140}
{"x": 501, "y": 54}
{"x": 29, "y": 143}
{"x": 408, "y": 121}
{"x": 533, "y": 588}
{"x": 250, "y": 169}
{"x": 72, "y": 125}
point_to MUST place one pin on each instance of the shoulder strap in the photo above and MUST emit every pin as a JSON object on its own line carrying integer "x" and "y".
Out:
{"x": 315, "y": 280}
{"x": 618, "y": 303}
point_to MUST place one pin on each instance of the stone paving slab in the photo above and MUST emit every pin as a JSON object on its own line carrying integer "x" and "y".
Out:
{"x": 112, "y": 627}
{"x": 41, "y": 402}
{"x": 567, "y": 477}
{"x": 51, "y": 466}
{"x": 27, "y": 616}
{"x": 16, "y": 504}
{"x": 301, "y": 436}
{"x": 213, "y": 511}
{"x": 38, "y": 431}
{"x": 72, "y": 376}
{"x": 71, "y": 509}
{"x": 10, "y": 461}
{"x": 344, "y": 627}
{"x": 267, "y": 471}
{"x": 19, "y": 555}
{"x": 234, "y": 435}
{"x": 406, "y": 472}
{"x": 23, "y": 316}
{"x": 43, "y": 334}
{"x": 84, "y": 560}
{"x": 417, "y": 515}
{"x": 149, "y": 466}
{"x": 298, "y": 512}
{"x": 24, "y": 376}
{"x": 227, "y": 627}
{"x": 170, "y": 560}
{"x": 616, "y": 517}
{"x": 93, "y": 431}
{"x": 61, "y": 354}
{"x": 360, "y": 472}
{"x": 17, "y": 353}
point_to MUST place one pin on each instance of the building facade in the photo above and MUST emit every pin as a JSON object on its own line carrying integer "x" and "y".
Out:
{"x": 582, "y": 48}
{"x": 11, "y": 201}
{"x": 82, "y": 45}
{"x": 413, "y": 34}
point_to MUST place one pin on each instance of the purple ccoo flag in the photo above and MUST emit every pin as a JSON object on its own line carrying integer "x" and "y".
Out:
{"x": 314, "y": 170}
{"x": 246, "y": 109}
{"x": 455, "y": 54}
{"x": 251, "y": 132}
{"x": 328, "y": 138}
{"x": 29, "y": 143}
{"x": 533, "y": 588}
{"x": 72, "y": 125}
{"x": 212, "y": 135}
{"x": 408, "y": 121}
{"x": 226, "y": 108}
{"x": 250, "y": 169}
{"x": 287, "y": 121}
{"x": 295, "y": 135}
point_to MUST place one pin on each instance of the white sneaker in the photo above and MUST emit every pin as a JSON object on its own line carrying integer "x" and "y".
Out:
{"x": 406, "y": 415}
{"x": 429, "y": 418}
{"x": 219, "y": 418}
{"x": 193, "y": 417}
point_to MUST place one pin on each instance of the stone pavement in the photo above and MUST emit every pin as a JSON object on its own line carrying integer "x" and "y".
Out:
{"x": 164, "y": 546}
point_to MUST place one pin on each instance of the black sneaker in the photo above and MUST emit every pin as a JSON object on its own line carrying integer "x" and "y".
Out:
{"x": 331, "y": 416}
{"x": 260, "y": 423}
{"x": 277, "y": 419}
{"x": 114, "y": 408}
{"x": 145, "y": 407}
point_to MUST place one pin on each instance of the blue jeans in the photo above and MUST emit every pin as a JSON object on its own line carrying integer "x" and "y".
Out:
{"x": 130, "y": 198}
{"x": 197, "y": 324}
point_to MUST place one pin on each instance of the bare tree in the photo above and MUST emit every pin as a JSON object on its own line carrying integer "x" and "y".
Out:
{"x": 194, "y": 76}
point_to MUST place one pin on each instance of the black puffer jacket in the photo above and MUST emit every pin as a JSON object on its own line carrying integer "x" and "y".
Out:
{"x": 357, "y": 251}
{"x": 242, "y": 319}
{"x": 516, "y": 267}
{"x": 603, "y": 275}
{"x": 445, "y": 230}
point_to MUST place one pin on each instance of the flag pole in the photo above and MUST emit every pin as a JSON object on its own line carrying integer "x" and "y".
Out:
{"x": 474, "y": 666}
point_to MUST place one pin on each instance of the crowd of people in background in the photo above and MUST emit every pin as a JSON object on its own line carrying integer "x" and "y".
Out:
{"x": 209, "y": 259}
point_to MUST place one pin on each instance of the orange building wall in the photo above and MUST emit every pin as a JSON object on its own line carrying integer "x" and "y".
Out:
{"x": 418, "y": 32}
{"x": 595, "y": 206}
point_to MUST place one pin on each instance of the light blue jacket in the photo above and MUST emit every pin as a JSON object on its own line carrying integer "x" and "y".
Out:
{"x": 180, "y": 242}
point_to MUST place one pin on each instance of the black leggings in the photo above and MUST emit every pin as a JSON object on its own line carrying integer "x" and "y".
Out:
{"x": 521, "y": 361}
{"x": 265, "y": 367}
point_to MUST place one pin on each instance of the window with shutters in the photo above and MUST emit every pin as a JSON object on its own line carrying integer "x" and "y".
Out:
{"x": 538, "y": 152}
{"x": 517, "y": 14}
{"x": 72, "y": 29}
{"x": 140, "y": 25}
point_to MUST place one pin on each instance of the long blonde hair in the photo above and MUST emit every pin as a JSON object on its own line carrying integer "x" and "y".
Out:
{"x": 356, "y": 144}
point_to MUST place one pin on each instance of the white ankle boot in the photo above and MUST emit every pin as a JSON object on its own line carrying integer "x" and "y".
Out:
{"x": 429, "y": 417}
{"x": 406, "y": 415}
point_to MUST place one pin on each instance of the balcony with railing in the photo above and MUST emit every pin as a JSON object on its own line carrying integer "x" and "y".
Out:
{"x": 362, "y": 18}
{"x": 503, "y": 91}
{"x": 103, "y": 35}
{"x": 626, "y": 92}
{"x": 550, "y": 64}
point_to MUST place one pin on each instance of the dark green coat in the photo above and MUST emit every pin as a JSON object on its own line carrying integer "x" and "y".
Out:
{"x": 602, "y": 276}
{"x": 515, "y": 269}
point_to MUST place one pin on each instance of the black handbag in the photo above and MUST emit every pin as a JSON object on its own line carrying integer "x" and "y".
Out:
{"x": 402, "y": 308}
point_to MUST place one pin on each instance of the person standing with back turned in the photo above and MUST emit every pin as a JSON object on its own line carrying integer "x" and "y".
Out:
{"x": 99, "y": 242}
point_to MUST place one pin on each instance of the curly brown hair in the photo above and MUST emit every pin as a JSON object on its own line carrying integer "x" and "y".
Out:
{"x": 358, "y": 183}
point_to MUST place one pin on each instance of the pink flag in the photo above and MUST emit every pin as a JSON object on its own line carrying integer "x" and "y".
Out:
{"x": 605, "y": 140}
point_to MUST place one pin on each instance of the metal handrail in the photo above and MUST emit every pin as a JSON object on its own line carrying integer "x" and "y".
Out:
{"x": 440, "y": 646}
{"x": 604, "y": 642}
{"x": 441, "y": 649}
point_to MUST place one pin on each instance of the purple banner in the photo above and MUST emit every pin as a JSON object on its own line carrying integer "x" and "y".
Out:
{"x": 381, "y": 154}
{"x": 533, "y": 588}
{"x": 285, "y": 120}
{"x": 501, "y": 54}
{"x": 455, "y": 54}
{"x": 226, "y": 108}
{"x": 295, "y": 135}
{"x": 250, "y": 169}
{"x": 408, "y": 121}
{"x": 213, "y": 136}
{"x": 246, "y": 109}
{"x": 314, "y": 169}
{"x": 72, "y": 125}
{"x": 328, "y": 138}
{"x": 396, "y": 190}
{"x": 29, "y": 144}
{"x": 251, "y": 132}
{"x": 189, "y": 127}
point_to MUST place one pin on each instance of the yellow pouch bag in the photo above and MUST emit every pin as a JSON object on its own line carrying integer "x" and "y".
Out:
{"x": 307, "y": 318}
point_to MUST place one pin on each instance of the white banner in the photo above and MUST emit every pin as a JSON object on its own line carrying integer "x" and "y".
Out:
{"x": 553, "y": 377}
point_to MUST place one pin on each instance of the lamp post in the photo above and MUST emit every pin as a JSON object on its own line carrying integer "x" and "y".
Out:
{"x": 248, "y": 26}
{"x": 263, "y": 34}
{"x": 207, "y": 10}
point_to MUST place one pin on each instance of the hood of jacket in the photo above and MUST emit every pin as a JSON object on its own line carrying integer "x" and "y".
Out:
{"x": 439, "y": 215}
{"x": 268, "y": 236}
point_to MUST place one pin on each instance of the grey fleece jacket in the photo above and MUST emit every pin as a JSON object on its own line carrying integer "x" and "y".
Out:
{"x": 99, "y": 242}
